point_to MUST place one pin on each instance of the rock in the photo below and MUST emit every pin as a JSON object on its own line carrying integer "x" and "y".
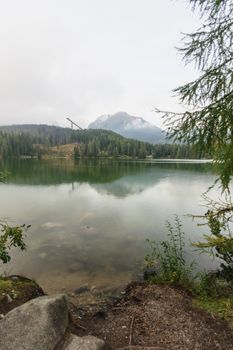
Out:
{"x": 14, "y": 294}
{"x": 42, "y": 255}
{"x": 82, "y": 289}
{"x": 8, "y": 298}
{"x": 38, "y": 324}
{"x": 101, "y": 314}
{"x": 84, "y": 343}
{"x": 3, "y": 298}
{"x": 21, "y": 290}
{"x": 14, "y": 278}
{"x": 88, "y": 230}
{"x": 150, "y": 272}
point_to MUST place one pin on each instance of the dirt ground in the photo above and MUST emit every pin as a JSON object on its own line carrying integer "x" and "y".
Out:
{"x": 155, "y": 317}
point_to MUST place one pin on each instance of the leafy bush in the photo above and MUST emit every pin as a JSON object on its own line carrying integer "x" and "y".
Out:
{"x": 210, "y": 285}
{"x": 3, "y": 176}
{"x": 168, "y": 257}
{"x": 214, "y": 294}
{"x": 11, "y": 237}
{"x": 220, "y": 242}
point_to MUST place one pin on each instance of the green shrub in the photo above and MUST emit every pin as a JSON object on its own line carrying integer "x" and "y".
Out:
{"x": 168, "y": 257}
{"x": 219, "y": 244}
{"x": 11, "y": 237}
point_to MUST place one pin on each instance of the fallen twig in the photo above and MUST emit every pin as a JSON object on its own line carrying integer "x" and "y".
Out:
{"x": 81, "y": 327}
{"x": 115, "y": 308}
{"x": 141, "y": 347}
{"x": 130, "y": 331}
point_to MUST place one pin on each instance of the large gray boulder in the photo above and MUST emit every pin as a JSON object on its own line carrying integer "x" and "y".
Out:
{"x": 36, "y": 325}
{"x": 84, "y": 343}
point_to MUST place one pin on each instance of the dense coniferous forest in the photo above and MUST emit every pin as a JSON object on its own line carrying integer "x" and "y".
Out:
{"x": 39, "y": 140}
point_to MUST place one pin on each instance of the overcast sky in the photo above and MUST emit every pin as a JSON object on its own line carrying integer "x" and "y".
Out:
{"x": 84, "y": 58}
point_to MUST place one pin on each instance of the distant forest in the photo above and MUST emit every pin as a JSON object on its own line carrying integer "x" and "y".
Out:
{"x": 38, "y": 140}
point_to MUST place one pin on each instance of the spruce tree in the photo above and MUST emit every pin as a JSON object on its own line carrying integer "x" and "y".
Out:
{"x": 207, "y": 122}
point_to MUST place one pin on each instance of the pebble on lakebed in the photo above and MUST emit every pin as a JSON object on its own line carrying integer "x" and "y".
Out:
{"x": 87, "y": 229}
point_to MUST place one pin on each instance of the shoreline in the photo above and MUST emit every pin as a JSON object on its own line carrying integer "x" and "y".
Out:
{"x": 142, "y": 315}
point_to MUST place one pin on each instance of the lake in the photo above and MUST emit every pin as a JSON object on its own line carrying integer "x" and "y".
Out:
{"x": 90, "y": 219}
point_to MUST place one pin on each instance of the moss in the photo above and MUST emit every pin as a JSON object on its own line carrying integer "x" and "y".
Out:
{"x": 5, "y": 285}
{"x": 20, "y": 289}
{"x": 16, "y": 288}
{"x": 220, "y": 306}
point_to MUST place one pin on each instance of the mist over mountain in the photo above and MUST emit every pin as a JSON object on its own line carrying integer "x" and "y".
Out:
{"x": 131, "y": 127}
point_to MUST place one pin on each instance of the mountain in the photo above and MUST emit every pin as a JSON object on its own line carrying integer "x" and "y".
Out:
{"x": 131, "y": 127}
{"x": 37, "y": 130}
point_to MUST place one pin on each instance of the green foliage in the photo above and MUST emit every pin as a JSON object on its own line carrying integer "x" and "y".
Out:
{"x": 11, "y": 237}
{"x": 210, "y": 291}
{"x": 178, "y": 151}
{"x": 220, "y": 242}
{"x": 102, "y": 143}
{"x": 3, "y": 176}
{"x": 26, "y": 141}
{"x": 214, "y": 294}
{"x": 207, "y": 122}
{"x": 168, "y": 257}
{"x": 18, "y": 288}
{"x": 220, "y": 306}
{"x": 221, "y": 247}
{"x": 208, "y": 285}
{"x": 212, "y": 285}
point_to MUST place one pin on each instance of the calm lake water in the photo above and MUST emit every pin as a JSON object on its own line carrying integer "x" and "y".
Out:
{"x": 90, "y": 219}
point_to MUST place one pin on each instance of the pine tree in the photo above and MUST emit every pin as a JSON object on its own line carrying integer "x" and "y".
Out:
{"x": 208, "y": 120}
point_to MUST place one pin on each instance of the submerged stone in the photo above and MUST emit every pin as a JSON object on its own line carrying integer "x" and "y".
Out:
{"x": 82, "y": 289}
{"x": 149, "y": 273}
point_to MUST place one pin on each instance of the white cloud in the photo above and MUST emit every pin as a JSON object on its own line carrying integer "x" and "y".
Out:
{"x": 86, "y": 58}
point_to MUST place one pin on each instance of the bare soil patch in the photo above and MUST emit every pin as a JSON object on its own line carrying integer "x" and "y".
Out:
{"x": 158, "y": 317}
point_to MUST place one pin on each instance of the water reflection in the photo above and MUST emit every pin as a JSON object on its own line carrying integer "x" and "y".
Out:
{"x": 90, "y": 219}
{"x": 114, "y": 177}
